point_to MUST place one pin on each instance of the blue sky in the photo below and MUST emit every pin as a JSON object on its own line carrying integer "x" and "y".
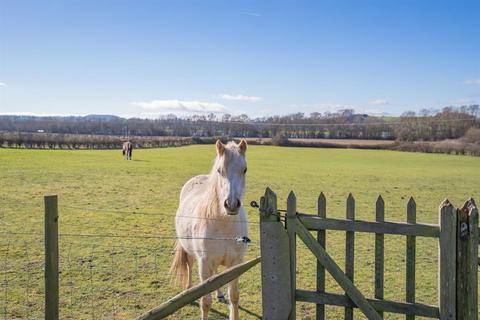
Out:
{"x": 145, "y": 58}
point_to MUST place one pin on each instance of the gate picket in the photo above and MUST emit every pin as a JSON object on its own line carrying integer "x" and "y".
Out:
{"x": 379, "y": 252}
{"x": 321, "y": 238}
{"x": 410, "y": 253}
{"x": 350, "y": 250}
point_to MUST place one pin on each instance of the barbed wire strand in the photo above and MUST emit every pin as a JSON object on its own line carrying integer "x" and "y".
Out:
{"x": 135, "y": 229}
{"x": 124, "y": 236}
{"x": 156, "y": 213}
{"x": 161, "y": 250}
{"x": 84, "y": 225}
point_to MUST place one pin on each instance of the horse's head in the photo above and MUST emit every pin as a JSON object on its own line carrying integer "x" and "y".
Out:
{"x": 230, "y": 168}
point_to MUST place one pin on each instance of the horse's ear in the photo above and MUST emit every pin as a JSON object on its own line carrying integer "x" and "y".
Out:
{"x": 220, "y": 147}
{"x": 243, "y": 146}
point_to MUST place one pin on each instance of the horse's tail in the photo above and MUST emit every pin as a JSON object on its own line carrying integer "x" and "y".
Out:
{"x": 179, "y": 268}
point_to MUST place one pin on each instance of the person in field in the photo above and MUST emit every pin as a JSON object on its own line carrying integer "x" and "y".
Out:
{"x": 209, "y": 219}
{"x": 127, "y": 150}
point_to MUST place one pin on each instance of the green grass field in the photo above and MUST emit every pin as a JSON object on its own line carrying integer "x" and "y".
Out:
{"x": 119, "y": 278}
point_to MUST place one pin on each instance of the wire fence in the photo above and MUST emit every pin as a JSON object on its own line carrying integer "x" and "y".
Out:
{"x": 105, "y": 271}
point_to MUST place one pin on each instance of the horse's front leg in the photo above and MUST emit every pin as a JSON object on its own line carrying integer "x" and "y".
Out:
{"x": 234, "y": 296}
{"x": 221, "y": 297}
{"x": 206, "y": 271}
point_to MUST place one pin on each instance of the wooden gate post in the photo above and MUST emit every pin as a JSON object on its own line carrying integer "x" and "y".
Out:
{"x": 275, "y": 264}
{"x": 447, "y": 261}
{"x": 467, "y": 260}
{"x": 51, "y": 258}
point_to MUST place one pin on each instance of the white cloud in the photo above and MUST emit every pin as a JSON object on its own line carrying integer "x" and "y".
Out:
{"x": 473, "y": 81}
{"x": 320, "y": 107}
{"x": 3, "y": 84}
{"x": 239, "y": 97}
{"x": 181, "y": 106}
{"x": 378, "y": 102}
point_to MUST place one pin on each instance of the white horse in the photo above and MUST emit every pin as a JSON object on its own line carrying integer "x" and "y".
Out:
{"x": 209, "y": 217}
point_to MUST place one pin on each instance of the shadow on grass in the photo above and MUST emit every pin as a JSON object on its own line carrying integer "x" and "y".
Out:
{"x": 257, "y": 316}
{"x": 212, "y": 310}
{"x": 222, "y": 314}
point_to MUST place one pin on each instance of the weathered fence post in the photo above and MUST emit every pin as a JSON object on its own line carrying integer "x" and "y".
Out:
{"x": 467, "y": 256}
{"x": 51, "y": 258}
{"x": 275, "y": 264}
{"x": 447, "y": 261}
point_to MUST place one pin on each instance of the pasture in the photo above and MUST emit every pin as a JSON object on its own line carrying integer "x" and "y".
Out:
{"x": 117, "y": 220}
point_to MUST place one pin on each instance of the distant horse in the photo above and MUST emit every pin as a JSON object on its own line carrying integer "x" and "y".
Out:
{"x": 209, "y": 217}
{"x": 127, "y": 150}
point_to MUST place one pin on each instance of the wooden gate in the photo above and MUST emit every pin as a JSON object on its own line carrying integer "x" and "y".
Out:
{"x": 457, "y": 232}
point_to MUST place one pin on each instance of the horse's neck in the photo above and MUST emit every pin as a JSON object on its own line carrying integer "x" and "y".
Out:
{"x": 211, "y": 207}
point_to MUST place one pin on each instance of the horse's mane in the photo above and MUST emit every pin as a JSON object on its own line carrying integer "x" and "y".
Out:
{"x": 212, "y": 206}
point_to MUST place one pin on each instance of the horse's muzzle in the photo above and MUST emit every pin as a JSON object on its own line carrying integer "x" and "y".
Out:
{"x": 232, "y": 207}
{"x": 233, "y": 212}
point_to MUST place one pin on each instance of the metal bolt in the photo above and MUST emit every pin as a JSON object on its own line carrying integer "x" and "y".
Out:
{"x": 463, "y": 231}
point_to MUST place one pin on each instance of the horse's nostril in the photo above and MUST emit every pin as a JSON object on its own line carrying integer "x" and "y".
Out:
{"x": 225, "y": 203}
{"x": 239, "y": 203}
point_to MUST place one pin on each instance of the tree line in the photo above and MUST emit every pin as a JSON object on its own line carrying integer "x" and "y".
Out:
{"x": 426, "y": 125}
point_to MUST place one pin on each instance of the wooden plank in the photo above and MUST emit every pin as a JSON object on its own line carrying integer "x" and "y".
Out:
{"x": 290, "y": 222}
{"x": 51, "y": 258}
{"x": 418, "y": 309}
{"x": 350, "y": 250}
{"x": 321, "y": 238}
{"x": 198, "y": 291}
{"x": 314, "y": 223}
{"x": 472, "y": 268}
{"x": 274, "y": 248}
{"x": 379, "y": 252}
{"x": 410, "y": 255}
{"x": 447, "y": 261}
{"x": 329, "y": 264}
{"x": 461, "y": 261}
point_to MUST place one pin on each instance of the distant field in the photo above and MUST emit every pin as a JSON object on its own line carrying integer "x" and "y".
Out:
{"x": 341, "y": 142}
{"x": 118, "y": 278}
{"x": 354, "y": 142}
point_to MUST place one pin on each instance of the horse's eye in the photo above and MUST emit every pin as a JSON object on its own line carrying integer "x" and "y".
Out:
{"x": 219, "y": 171}
{"x": 245, "y": 171}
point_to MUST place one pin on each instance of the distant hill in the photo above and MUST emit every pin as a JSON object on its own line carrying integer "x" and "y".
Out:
{"x": 102, "y": 117}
